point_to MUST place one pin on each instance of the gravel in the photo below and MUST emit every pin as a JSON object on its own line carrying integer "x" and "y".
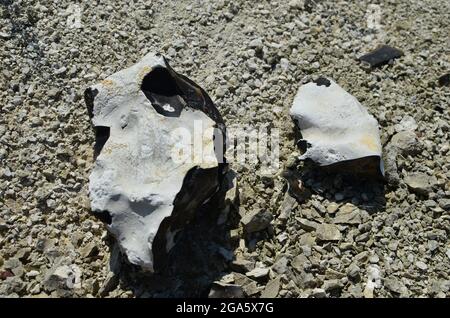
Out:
{"x": 251, "y": 59}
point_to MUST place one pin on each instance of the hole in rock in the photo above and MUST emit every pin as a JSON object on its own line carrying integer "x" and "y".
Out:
{"x": 163, "y": 92}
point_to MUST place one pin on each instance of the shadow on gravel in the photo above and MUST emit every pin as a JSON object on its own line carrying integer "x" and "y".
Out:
{"x": 201, "y": 256}
{"x": 341, "y": 184}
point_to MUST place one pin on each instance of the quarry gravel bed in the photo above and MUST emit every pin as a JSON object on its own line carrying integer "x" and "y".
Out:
{"x": 351, "y": 238}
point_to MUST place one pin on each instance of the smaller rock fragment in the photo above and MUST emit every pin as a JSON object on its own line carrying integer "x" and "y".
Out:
{"x": 353, "y": 271}
{"x": 406, "y": 142}
{"x": 336, "y": 130}
{"x": 280, "y": 265}
{"x": 395, "y": 286}
{"x": 90, "y": 250}
{"x": 419, "y": 183}
{"x": 299, "y": 262}
{"x": 408, "y": 123}
{"x": 373, "y": 280}
{"x": 380, "y": 56}
{"x": 421, "y": 265}
{"x": 331, "y": 285}
{"x": 444, "y": 204}
{"x": 328, "y": 232}
{"x": 444, "y": 80}
{"x": 352, "y": 217}
{"x": 390, "y": 165}
{"x": 258, "y": 273}
{"x": 272, "y": 289}
{"x": 256, "y": 220}
{"x": 287, "y": 205}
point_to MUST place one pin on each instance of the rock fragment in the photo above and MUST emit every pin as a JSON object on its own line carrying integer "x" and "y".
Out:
{"x": 419, "y": 183}
{"x": 408, "y": 123}
{"x": 380, "y": 56}
{"x": 223, "y": 290}
{"x": 328, "y": 232}
{"x": 444, "y": 204}
{"x": 159, "y": 156}
{"x": 336, "y": 128}
{"x": 272, "y": 289}
{"x": 258, "y": 273}
{"x": 444, "y": 80}
{"x": 63, "y": 277}
{"x": 396, "y": 286}
{"x": 256, "y": 220}
{"x": 242, "y": 265}
{"x": 406, "y": 142}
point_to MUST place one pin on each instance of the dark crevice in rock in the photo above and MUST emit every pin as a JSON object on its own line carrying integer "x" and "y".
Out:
{"x": 101, "y": 137}
{"x": 162, "y": 90}
{"x": 322, "y": 81}
{"x": 196, "y": 97}
{"x": 89, "y": 96}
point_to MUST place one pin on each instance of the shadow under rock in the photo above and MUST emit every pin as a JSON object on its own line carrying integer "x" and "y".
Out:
{"x": 201, "y": 256}
{"x": 342, "y": 183}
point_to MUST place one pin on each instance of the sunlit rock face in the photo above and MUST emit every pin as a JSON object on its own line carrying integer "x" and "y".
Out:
{"x": 334, "y": 126}
{"x": 159, "y": 156}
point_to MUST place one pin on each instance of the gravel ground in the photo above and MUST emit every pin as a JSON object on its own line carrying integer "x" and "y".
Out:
{"x": 352, "y": 238}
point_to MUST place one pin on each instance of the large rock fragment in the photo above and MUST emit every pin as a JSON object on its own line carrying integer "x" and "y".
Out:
{"x": 159, "y": 156}
{"x": 335, "y": 127}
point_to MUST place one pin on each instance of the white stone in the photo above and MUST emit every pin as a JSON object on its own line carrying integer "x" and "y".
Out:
{"x": 407, "y": 123}
{"x": 334, "y": 123}
{"x": 153, "y": 143}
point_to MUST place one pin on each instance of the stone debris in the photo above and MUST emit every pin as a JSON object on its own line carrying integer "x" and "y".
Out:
{"x": 408, "y": 123}
{"x": 323, "y": 110}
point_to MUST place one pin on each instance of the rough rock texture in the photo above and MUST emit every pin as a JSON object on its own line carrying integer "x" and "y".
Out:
{"x": 157, "y": 162}
{"x": 334, "y": 125}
